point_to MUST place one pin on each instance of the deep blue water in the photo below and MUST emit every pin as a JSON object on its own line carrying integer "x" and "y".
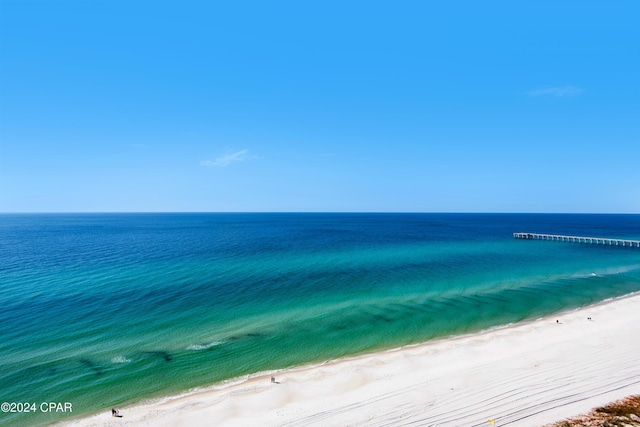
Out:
{"x": 105, "y": 309}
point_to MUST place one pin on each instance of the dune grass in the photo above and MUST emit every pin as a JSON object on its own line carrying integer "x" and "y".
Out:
{"x": 622, "y": 413}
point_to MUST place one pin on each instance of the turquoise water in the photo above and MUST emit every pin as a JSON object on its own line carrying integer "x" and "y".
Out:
{"x": 101, "y": 310}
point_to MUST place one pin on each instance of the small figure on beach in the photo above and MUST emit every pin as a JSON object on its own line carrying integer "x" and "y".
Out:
{"x": 557, "y": 321}
{"x": 589, "y": 319}
{"x": 115, "y": 413}
{"x": 273, "y": 379}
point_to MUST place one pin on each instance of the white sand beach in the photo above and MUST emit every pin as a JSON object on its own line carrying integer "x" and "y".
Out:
{"x": 527, "y": 374}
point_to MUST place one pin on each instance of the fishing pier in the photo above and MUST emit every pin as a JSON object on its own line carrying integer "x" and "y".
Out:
{"x": 579, "y": 239}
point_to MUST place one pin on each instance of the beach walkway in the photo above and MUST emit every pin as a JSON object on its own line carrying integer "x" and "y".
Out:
{"x": 579, "y": 239}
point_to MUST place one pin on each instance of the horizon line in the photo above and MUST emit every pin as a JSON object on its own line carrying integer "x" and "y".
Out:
{"x": 312, "y": 212}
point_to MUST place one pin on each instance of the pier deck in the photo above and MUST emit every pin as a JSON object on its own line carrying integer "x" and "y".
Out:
{"x": 579, "y": 239}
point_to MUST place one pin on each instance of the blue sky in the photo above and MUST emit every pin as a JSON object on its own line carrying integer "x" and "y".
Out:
{"x": 419, "y": 106}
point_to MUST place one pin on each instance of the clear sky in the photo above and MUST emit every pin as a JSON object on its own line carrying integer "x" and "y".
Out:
{"x": 424, "y": 106}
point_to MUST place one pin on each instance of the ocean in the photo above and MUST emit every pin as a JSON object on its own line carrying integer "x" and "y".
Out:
{"x": 103, "y": 310}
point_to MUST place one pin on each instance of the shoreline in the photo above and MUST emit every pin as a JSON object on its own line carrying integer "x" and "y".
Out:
{"x": 526, "y": 374}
